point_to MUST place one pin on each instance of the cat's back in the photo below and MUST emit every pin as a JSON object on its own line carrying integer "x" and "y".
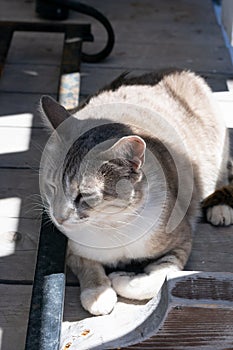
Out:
{"x": 172, "y": 105}
{"x": 173, "y": 102}
{"x": 178, "y": 96}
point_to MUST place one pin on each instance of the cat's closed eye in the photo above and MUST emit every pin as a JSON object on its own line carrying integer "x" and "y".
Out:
{"x": 87, "y": 200}
{"x": 78, "y": 199}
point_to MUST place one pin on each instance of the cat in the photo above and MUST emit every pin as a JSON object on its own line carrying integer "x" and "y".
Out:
{"x": 125, "y": 175}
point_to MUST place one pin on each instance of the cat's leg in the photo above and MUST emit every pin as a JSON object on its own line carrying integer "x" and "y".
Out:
{"x": 148, "y": 284}
{"x": 219, "y": 206}
{"x": 96, "y": 296}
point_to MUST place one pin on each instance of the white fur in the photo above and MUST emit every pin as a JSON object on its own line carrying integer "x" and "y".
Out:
{"x": 220, "y": 215}
{"x": 108, "y": 244}
{"x": 138, "y": 287}
{"x": 99, "y": 301}
{"x": 123, "y": 235}
{"x": 141, "y": 286}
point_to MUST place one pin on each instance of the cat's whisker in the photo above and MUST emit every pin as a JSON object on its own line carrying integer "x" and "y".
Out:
{"x": 132, "y": 214}
{"x": 122, "y": 243}
{"x": 47, "y": 223}
{"x": 38, "y": 216}
{"x": 32, "y": 204}
{"x": 34, "y": 199}
{"x": 40, "y": 149}
{"x": 51, "y": 160}
{"x": 34, "y": 195}
{"x": 38, "y": 146}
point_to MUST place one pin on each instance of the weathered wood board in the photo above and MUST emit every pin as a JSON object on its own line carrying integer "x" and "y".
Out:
{"x": 14, "y": 306}
{"x": 145, "y": 41}
{"x": 32, "y": 69}
{"x": 93, "y": 79}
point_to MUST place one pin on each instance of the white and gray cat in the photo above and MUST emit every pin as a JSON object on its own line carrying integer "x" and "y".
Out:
{"x": 124, "y": 175}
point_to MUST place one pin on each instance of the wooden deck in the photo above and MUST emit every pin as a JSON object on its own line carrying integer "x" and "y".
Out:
{"x": 149, "y": 35}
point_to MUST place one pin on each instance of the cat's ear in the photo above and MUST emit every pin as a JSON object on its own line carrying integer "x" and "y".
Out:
{"x": 53, "y": 111}
{"x": 132, "y": 148}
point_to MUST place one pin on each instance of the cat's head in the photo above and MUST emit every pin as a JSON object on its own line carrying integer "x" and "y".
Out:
{"x": 100, "y": 177}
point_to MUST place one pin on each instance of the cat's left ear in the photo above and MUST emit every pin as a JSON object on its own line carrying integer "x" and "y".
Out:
{"x": 132, "y": 148}
{"x": 53, "y": 111}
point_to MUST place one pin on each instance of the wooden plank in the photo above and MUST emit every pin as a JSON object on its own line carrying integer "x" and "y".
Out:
{"x": 25, "y": 10}
{"x": 14, "y": 306}
{"x": 154, "y": 18}
{"x": 24, "y": 185}
{"x": 19, "y": 241}
{"x": 21, "y": 104}
{"x": 32, "y": 69}
{"x": 23, "y": 148}
{"x": 156, "y": 28}
{"x": 160, "y": 55}
{"x": 73, "y": 310}
{"x": 130, "y": 10}
{"x": 29, "y": 78}
{"x": 193, "y": 328}
{"x": 33, "y": 63}
{"x": 36, "y": 48}
{"x": 94, "y": 78}
{"x": 198, "y": 287}
{"x": 212, "y": 249}
{"x": 20, "y": 209}
{"x": 171, "y": 41}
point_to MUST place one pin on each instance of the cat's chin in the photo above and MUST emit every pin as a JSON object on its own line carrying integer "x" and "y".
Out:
{"x": 70, "y": 226}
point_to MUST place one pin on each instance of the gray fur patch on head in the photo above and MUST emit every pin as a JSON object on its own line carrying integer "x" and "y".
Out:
{"x": 114, "y": 172}
{"x": 95, "y": 172}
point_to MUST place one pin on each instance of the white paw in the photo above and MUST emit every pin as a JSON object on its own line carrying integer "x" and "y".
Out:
{"x": 133, "y": 286}
{"x": 220, "y": 215}
{"x": 98, "y": 301}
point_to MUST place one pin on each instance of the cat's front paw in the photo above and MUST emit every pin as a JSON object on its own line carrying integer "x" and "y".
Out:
{"x": 220, "y": 215}
{"x": 129, "y": 285}
{"x": 99, "y": 300}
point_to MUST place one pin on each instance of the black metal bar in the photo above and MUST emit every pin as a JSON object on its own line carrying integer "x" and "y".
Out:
{"x": 46, "y": 310}
{"x": 5, "y": 40}
{"x": 71, "y": 59}
{"x": 48, "y": 10}
{"x": 52, "y": 310}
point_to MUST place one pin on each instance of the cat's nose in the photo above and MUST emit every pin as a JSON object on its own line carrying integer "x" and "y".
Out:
{"x": 60, "y": 220}
{"x": 61, "y": 217}
{"x": 83, "y": 216}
